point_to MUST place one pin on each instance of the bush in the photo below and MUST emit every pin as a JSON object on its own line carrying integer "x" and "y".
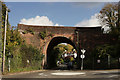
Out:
{"x": 32, "y": 54}
{"x": 30, "y": 31}
{"x": 25, "y": 32}
{"x": 43, "y": 35}
{"x": 20, "y": 56}
{"x": 101, "y": 53}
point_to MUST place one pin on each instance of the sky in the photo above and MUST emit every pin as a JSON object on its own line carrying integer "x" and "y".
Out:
{"x": 60, "y": 0}
{"x": 79, "y": 14}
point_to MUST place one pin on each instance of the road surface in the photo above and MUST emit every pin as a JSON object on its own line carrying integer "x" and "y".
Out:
{"x": 66, "y": 75}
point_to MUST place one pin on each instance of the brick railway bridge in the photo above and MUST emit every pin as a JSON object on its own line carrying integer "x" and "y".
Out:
{"x": 79, "y": 37}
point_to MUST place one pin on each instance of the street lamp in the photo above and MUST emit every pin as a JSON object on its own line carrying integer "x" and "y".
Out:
{"x": 82, "y": 56}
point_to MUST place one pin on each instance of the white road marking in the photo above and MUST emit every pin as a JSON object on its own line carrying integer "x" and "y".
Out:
{"x": 113, "y": 76}
{"x": 68, "y": 73}
{"x": 45, "y": 75}
{"x": 101, "y": 71}
{"x": 95, "y": 72}
{"x": 40, "y": 74}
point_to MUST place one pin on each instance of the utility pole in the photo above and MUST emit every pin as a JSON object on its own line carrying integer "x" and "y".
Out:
{"x": 3, "y": 67}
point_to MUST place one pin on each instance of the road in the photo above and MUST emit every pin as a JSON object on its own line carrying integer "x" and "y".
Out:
{"x": 66, "y": 74}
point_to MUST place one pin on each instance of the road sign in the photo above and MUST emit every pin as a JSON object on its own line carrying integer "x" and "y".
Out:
{"x": 82, "y": 56}
{"x": 83, "y": 51}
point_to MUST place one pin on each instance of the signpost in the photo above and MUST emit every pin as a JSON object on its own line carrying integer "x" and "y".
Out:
{"x": 82, "y": 56}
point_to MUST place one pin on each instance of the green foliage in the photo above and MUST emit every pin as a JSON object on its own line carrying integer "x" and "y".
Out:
{"x": 67, "y": 47}
{"x": 25, "y": 32}
{"x": 32, "y": 54}
{"x": 104, "y": 50}
{"x": 61, "y": 60}
{"x": 102, "y": 53}
{"x": 43, "y": 34}
{"x": 16, "y": 60}
{"x": 4, "y": 15}
{"x": 109, "y": 17}
{"x": 19, "y": 51}
{"x": 30, "y": 30}
{"x": 23, "y": 53}
{"x": 13, "y": 39}
{"x": 56, "y": 54}
{"x": 107, "y": 50}
{"x": 3, "y": 21}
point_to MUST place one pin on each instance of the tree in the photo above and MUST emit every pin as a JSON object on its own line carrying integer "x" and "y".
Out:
{"x": 4, "y": 14}
{"x": 105, "y": 50}
{"x": 109, "y": 17}
{"x": 3, "y": 20}
{"x": 13, "y": 39}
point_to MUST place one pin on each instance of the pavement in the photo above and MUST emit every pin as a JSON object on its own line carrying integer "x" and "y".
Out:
{"x": 65, "y": 74}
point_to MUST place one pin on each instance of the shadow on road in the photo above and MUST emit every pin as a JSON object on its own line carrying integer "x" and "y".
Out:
{"x": 65, "y": 67}
{"x": 110, "y": 73}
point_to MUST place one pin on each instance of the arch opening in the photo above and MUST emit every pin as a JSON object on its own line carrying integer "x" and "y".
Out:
{"x": 54, "y": 54}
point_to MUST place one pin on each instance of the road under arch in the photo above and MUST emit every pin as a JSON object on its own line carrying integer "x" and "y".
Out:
{"x": 54, "y": 42}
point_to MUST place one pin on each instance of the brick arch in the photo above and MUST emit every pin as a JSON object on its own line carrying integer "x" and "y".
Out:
{"x": 54, "y": 42}
{"x": 83, "y": 37}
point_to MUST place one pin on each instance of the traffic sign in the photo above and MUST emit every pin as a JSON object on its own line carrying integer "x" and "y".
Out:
{"x": 82, "y": 56}
{"x": 83, "y": 51}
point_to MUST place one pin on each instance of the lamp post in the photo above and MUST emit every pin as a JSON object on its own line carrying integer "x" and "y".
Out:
{"x": 82, "y": 56}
